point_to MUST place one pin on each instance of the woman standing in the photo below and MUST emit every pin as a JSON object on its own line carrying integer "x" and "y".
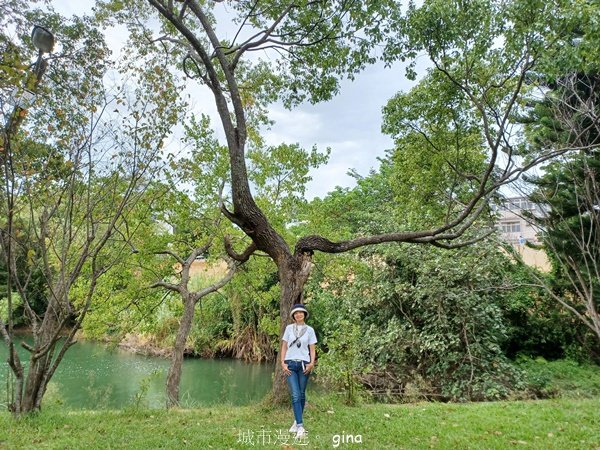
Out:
{"x": 297, "y": 360}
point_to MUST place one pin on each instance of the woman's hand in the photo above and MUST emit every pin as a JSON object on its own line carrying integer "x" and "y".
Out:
{"x": 308, "y": 368}
{"x": 286, "y": 371}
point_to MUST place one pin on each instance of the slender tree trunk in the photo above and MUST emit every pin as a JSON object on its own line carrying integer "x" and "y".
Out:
{"x": 174, "y": 375}
{"x": 17, "y": 370}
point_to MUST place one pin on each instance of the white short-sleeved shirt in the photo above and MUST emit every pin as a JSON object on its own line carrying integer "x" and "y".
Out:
{"x": 308, "y": 338}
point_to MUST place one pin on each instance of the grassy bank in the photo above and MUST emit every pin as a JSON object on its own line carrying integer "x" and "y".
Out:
{"x": 547, "y": 424}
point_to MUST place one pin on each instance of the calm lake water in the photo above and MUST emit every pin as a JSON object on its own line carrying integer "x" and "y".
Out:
{"x": 94, "y": 375}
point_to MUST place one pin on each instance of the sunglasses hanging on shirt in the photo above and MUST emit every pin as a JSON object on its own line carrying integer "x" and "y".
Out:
{"x": 296, "y": 342}
{"x": 298, "y": 333}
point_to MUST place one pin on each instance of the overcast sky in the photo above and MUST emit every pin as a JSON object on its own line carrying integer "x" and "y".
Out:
{"x": 350, "y": 124}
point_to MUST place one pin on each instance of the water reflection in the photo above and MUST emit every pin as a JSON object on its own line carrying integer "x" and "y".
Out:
{"x": 97, "y": 376}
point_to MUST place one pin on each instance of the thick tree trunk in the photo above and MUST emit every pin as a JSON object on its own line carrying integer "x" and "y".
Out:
{"x": 35, "y": 385}
{"x": 292, "y": 278}
{"x": 174, "y": 375}
{"x": 38, "y": 373}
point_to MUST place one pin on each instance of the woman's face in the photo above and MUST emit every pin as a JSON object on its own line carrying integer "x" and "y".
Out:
{"x": 299, "y": 316}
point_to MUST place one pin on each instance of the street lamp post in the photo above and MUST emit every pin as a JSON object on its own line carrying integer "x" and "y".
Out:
{"x": 43, "y": 40}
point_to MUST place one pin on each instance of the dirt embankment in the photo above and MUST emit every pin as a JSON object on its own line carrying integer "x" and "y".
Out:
{"x": 139, "y": 344}
{"x": 143, "y": 345}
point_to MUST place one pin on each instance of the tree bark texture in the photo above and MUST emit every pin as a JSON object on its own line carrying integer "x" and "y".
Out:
{"x": 174, "y": 375}
{"x": 39, "y": 373}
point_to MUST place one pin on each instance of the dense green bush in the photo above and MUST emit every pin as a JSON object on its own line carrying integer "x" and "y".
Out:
{"x": 564, "y": 378}
{"x": 430, "y": 322}
{"x": 537, "y": 326}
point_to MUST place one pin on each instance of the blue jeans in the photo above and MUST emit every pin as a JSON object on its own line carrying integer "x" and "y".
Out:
{"x": 297, "y": 383}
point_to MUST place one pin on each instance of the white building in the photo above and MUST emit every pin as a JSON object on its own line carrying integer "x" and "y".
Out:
{"x": 514, "y": 223}
{"x": 516, "y": 228}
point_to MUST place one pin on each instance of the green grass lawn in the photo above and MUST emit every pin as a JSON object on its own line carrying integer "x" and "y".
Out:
{"x": 546, "y": 424}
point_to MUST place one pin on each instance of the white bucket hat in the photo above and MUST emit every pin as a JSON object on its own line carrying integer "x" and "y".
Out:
{"x": 298, "y": 307}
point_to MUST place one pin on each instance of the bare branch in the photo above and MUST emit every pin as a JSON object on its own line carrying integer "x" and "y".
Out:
{"x": 218, "y": 285}
{"x": 543, "y": 284}
{"x": 251, "y": 43}
{"x": 472, "y": 241}
{"x": 240, "y": 257}
{"x": 231, "y": 216}
{"x": 164, "y": 284}
{"x": 179, "y": 259}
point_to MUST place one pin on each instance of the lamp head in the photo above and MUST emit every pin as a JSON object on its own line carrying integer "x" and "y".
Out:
{"x": 42, "y": 39}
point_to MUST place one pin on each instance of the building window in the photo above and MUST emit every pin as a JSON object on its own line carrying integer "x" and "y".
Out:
{"x": 517, "y": 204}
{"x": 511, "y": 227}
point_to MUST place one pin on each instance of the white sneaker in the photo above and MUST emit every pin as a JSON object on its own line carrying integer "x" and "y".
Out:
{"x": 294, "y": 427}
{"x": 300, "y": 432}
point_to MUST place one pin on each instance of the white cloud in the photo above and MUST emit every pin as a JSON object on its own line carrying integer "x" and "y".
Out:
{"x": 69, "y": 7}
{"x": 350, "y": 124}
{"x": 292, "y": 126}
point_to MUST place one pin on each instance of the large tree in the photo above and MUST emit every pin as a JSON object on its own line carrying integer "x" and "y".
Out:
{"x": 481, "y": 53}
